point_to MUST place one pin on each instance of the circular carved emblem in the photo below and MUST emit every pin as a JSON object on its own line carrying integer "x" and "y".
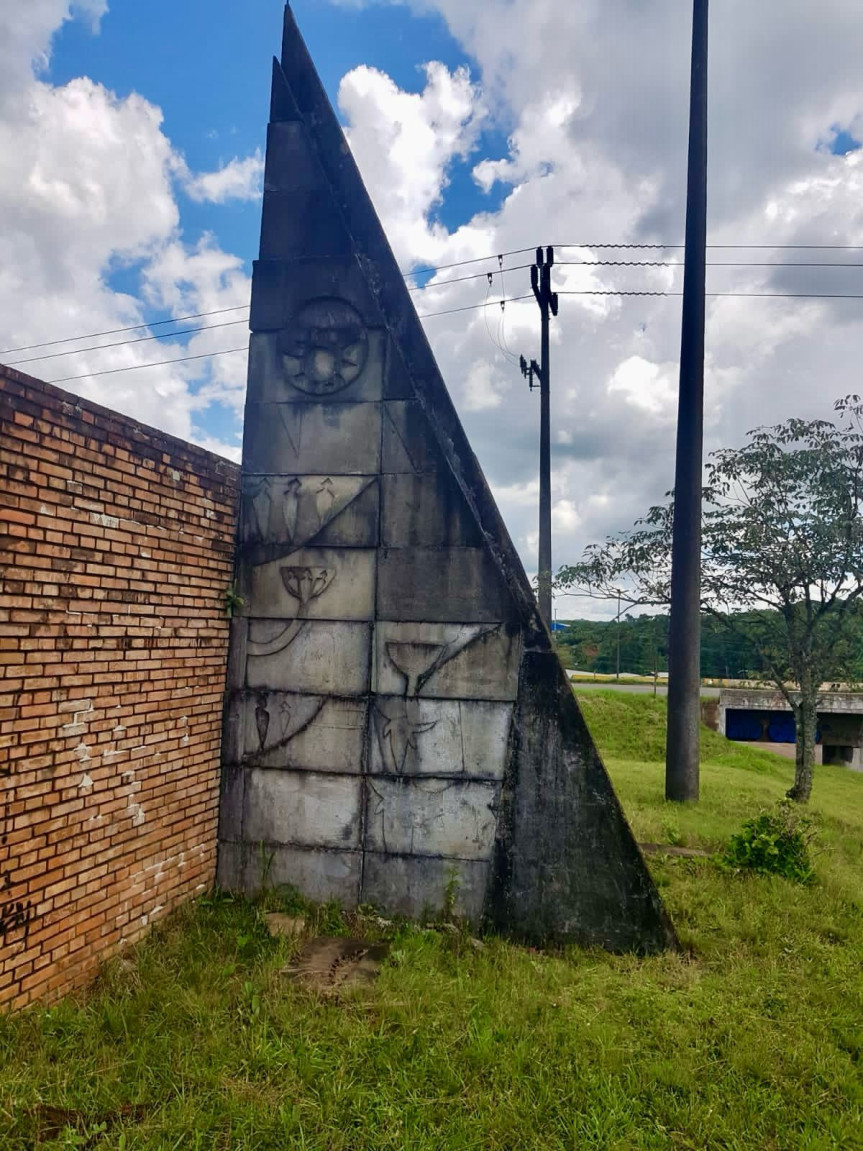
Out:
{"x": 324, "y": 348}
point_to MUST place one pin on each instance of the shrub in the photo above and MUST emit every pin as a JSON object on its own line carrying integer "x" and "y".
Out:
{"x": 776, "y": 842}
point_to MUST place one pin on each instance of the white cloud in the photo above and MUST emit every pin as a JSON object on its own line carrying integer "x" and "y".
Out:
{"x": 648, "y": 387}
{"x": 237, "y": 180}
{"x": 594, "y": 97}
{"x": 480, "y": 391}
{"x": 405, "y": 142}
{"x": 26, "y": 29}
{"x": 92, "y": 189}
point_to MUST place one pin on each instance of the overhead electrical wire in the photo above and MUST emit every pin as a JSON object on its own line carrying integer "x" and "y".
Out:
{"x": 474, "y": 276}
{"x": 462, "y": 279}
{"x": 484, "y": 304}
{"x": 498, "y": 256}
{"x": 231, "y": 351}
{"x": 728, "y": 247}
{"x": 131, "y": 328}
{"x": 126, "y": 343}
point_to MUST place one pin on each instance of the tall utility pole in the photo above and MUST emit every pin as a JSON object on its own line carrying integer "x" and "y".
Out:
{"x": 540, "y": 280}
{"x": 684, "y": 662}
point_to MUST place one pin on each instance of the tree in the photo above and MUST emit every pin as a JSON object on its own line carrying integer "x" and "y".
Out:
{"x": 782, "y": 541}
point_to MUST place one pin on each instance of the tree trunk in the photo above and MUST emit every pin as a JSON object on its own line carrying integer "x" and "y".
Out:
{"x": 807, "y": 723}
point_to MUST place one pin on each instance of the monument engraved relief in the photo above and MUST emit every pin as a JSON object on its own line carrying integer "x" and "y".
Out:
{"x": 306, "y": 732}
{"x": 322, "y": 352}
{"x": 446, "y": 661}
{"x": 297, "y": 510}
{"x": 325, "y": 347}
{"x": 439, "y": 737}
{"x": 452, "y": 818}
{"x": 314, "y": 583}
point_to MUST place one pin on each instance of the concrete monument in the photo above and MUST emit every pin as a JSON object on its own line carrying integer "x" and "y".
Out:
{"x": 397, "y": 724}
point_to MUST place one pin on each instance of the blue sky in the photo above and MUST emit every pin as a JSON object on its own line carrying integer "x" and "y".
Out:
{"x": 571, "y": 128}
{"x": 208, "y": 68}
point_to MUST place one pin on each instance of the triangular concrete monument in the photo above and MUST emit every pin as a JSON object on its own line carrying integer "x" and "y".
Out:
{"x": 398, "y": 727}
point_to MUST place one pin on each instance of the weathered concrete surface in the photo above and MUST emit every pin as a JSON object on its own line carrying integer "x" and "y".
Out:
{"x": 451, "y": 818}
{"x": 446, "y": 661}
{"x": 321, "y": 658}
{"x": 304, "y": 732}
{"x": 302, "y": 809}
{"x": 313, "y": 583}
{"x": 397, "y": 728}
{"x": 436, "y": 737}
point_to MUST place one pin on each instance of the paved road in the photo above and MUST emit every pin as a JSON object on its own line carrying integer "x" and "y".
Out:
{"x": 635, "y": 688}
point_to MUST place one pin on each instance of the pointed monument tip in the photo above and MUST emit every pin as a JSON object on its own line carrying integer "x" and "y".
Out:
{"x": 283, "y": 106}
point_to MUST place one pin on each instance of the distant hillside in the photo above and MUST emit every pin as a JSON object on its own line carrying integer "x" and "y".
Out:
{"x": 590, "y": 645}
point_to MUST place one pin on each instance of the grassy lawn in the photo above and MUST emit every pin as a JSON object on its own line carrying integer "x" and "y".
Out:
{"x": 753, "y": 1038}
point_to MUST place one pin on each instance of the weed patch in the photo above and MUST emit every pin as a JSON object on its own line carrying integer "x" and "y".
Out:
{"x": 750, "y": 1040}
{"x": 774, "y": 842}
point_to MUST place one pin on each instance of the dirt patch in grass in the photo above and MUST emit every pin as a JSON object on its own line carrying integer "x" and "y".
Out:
{"x": 329, "y": 965}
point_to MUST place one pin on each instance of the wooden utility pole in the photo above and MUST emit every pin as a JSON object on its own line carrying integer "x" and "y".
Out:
{"x": 540, "y": 280}
{"x": 684, "y": 657}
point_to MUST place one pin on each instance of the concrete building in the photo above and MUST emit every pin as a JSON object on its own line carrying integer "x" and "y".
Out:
{"x": 759, "y": 715}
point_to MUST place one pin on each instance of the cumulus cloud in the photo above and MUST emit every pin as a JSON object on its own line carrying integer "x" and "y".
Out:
{"x": 405, "y": 143}
{"x": 92, "y": 190}
{"x": 594, "y": 98}
{"x": 241, "y": 179}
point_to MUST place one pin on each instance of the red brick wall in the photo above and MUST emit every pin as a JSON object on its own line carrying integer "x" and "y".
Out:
{"x": 116, "y": 547}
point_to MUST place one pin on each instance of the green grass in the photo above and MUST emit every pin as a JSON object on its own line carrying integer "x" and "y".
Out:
{"x": 752, "y": 1038}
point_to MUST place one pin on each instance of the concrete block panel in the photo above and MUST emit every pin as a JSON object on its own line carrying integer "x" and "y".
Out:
{"x": 231, "y": 865}
{"x": 426, "y": 511}
{"x": 312, "y": 439}
{"x": 313, "y": 583}
{"x": 280, "y": 512}
{"x": 280, "y": 288}
{"x": 311, "y": 657}
{"x": 446, "y": 661}
{"x": 324, "y": 352}
{"x": 291, "y": 162}
{"x": 440, "y": 585}
{"x": 319, "y": 875}
{"x": 414, "y": 885}
{"x": 407, "y": 441}
{"x": 295, "y": 224}
{"x": 451, "y": 818}
{"x": 302, "y": 809}
{"x": 397, "y": 381}
{"x": 439, "y": 737}
{"x": 231, "y": 802}
{"x": 308, "y": 732}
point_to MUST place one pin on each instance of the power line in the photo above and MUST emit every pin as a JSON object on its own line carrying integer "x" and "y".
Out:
{"x": 475, "y": 260}
{"x": 155, "y": 364}
{"x": 131, "y": 328}
{"x": 710, "y": 264}
{"x": 721, "y": 295}
{"x": 622, "y": 292}
{"x": 125, "y": 343}
{"x": 231, "y": 351}
{"x": 414, "y": 288}
{"x": 237, "y": 307}
{"x": 479, "y": 275}
{"x": 728, "y": 247}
